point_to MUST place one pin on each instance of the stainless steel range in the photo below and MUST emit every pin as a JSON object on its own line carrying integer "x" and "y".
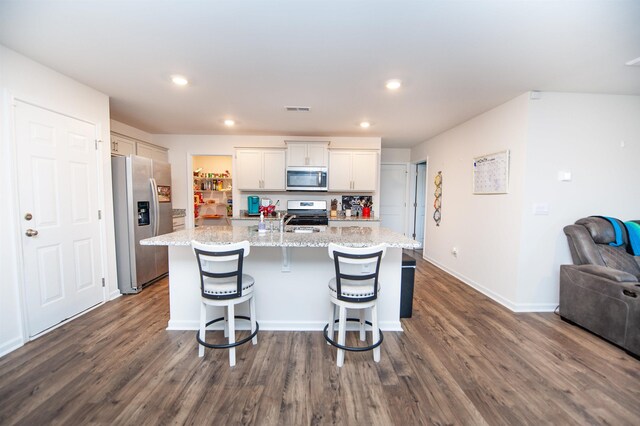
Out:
{"x": 308, "y": 213}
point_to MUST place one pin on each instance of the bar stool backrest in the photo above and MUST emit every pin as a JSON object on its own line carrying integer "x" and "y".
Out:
{"x": 357, "y": 268}
{"x": 220, "y": 267}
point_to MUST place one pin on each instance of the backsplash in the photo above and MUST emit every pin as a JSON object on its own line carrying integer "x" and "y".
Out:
{"x": 354, "y": 202}
{"x": 305, "y": 196}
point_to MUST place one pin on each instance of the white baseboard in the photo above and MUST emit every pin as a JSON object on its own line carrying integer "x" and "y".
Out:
{"x": 278, "y": 325}
{"x": 11, "y": 346}
{"x": 114, "y": 295}
{"x": 515, "y": 307}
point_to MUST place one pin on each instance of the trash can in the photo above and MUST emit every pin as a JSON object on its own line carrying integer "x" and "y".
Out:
{"x": 406, "y": 285}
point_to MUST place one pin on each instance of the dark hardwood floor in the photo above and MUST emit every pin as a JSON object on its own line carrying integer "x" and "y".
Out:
{"x": 463, "y": 359}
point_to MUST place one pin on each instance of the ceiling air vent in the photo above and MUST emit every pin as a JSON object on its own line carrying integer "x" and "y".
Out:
{"x": 297, "y": 109}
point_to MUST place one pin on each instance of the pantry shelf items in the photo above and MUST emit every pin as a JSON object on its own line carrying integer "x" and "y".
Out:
{"x": 212, "y": 195}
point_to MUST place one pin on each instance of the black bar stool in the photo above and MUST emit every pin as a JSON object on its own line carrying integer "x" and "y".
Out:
{"x": 355, "y": 286}
{"x": 222, "y": 283}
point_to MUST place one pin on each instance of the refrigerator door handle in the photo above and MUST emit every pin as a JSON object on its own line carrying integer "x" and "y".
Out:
{"x": 156, "y": 206}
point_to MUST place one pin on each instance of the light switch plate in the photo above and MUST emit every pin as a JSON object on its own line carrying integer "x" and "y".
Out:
{"x": 541, "y": 209}
{"x": 564, "y": 176}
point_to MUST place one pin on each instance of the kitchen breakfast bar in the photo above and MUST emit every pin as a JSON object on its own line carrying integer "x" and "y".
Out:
{"x": 291, "y": 271}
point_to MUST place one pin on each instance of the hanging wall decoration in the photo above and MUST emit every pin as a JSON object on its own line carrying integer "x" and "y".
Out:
{"x": 437, "y": 203}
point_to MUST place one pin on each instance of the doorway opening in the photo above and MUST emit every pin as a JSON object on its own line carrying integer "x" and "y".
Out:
{"x": 419, "y": 203}
{"x": 212, "y": 190}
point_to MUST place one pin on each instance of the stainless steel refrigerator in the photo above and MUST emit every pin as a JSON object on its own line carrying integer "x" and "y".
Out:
{"x": 142, "y": 209}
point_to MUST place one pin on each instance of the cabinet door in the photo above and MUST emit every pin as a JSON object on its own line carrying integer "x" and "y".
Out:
{"x": 122, "y": 146}
{"x": 296, "y": 154}
{"x": 248, "y": 173}
{"x": 364, "y": 171}
{"x": 160, "y": 155}
{"x": 153, "y": 152}
{"x": 340, "y": 171}
{"x": 317, "y": 154}
{"x": 273, "y": 176}
{"x": 144, "y": 150}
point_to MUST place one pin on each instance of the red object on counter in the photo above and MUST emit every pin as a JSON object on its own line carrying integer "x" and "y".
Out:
{"x": 267, "y": 210}
{"x": 366, "y": 212}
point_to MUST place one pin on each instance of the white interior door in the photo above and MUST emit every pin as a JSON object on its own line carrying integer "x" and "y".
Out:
{"x": 420, "y": 206}
{"x": 59, "y": 215}
{"x": 393, "y": 197}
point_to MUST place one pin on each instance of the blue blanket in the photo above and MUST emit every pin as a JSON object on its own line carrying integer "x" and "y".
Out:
{"x": 616, "y": 228}
{"x": 633, "y": 229}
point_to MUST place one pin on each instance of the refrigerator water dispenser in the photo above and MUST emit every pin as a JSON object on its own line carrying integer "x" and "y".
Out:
{"x": 143, "y": 213}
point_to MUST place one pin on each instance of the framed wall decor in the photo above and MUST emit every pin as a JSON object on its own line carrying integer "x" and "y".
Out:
{"x": 491, "y": 173}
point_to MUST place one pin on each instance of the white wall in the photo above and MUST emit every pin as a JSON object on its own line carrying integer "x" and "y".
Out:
{"x": 182, "y": 147}
{"x": 24, "y": 79}
{"x": 505, "y": 250}
{"x": 484, "y": 228}
{"x": 582, "y": 134}
{"x": 395, "y": 155}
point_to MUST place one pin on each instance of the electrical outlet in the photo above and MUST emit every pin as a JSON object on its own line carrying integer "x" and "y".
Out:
{"x": 454, "y": 251}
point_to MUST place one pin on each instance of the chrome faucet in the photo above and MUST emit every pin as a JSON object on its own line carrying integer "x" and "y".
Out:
{"x": 284, "y": 222}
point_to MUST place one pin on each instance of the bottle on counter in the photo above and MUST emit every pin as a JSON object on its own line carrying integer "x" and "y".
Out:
{"x": 262, "y": 226}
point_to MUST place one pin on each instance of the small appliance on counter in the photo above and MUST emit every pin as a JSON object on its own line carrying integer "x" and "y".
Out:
{"x": 253, "y": 205}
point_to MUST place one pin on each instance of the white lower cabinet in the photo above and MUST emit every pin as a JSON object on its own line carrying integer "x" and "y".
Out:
{"x": 178, "y": 223}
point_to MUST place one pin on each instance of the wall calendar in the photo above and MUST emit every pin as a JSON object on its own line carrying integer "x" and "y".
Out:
{"x": 491, "y": 173}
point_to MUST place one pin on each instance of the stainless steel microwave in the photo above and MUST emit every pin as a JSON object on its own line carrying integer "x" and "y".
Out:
{"x": 307, "y": 179}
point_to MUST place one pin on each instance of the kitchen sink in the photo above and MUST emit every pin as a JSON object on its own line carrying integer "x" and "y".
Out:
{"x": 304, "y": 229}
{"x": 294, "y": 229}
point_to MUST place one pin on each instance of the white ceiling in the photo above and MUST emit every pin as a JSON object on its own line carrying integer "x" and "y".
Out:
{"x": 248, "y": 59}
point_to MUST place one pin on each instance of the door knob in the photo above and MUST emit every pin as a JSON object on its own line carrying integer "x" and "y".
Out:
{"x": 31, "y": 233}
{"x": 28, "y": 216}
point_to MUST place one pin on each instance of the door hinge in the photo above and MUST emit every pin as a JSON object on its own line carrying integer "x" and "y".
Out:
{"x": 99, "y": 214}
{"x": 96, "y": 141}
{"x": 103, "y": 285}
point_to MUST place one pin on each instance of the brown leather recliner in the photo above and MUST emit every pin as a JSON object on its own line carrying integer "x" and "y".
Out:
{"x": 600, "y": 291}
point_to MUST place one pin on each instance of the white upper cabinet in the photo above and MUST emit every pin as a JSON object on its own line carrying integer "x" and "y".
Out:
{"x": 152, "y": 151}
{"x": 353, "y": 170}
{"x": 307, "y": 154}
{"x": 122, "y": 146}
{"x": 260, "y": 169}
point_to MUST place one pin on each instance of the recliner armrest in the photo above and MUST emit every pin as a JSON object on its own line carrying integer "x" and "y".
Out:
{"x": 605, "y": 272}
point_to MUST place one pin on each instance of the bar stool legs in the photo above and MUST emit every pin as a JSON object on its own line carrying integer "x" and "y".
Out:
{"x": 376, "y": 332}
{"x": 355, "y": 286}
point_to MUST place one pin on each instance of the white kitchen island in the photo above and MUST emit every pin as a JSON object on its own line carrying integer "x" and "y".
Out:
{"x": 291, "y": 272}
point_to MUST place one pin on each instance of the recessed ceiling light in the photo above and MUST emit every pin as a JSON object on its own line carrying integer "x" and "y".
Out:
{"x": 365, "y": 124}
{"x": 393, "y": 84}
{"x": 179, "y": 80}
{"x": 229, "y": 122}
{"x": 633, "y": 63}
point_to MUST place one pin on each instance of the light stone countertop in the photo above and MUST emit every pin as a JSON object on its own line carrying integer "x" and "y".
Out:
{"x": 337, "y": 218}
{"x": 350, "y": 236}
{"x": 355, "y": 219}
